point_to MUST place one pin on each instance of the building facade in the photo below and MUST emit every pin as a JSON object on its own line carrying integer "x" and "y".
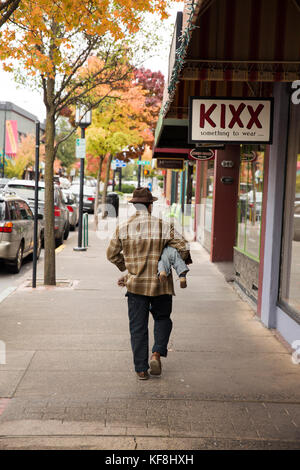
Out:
{"x": 240, "y": 199}
{"x": 24, "y": 125}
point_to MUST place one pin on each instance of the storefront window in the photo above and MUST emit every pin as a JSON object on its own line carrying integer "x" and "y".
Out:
{"x": 290, "y": 268}
{"x": 205, "y": 203}
{"x": 209, "y": 196}
{"x": 250, "y": 201}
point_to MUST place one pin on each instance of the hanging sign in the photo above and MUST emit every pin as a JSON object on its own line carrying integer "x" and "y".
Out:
{"x": 170, "y": 163}
{"x": 11, "y": 138}
{"x": 230, "y": 120}
{"x": 202, "y": 155}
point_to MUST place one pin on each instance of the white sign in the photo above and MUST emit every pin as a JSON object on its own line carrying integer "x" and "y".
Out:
{"x": 232, "y": 120}
{"x": 80, "y": 148}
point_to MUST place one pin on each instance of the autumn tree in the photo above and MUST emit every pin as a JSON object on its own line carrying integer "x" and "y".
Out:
{"x": 116, "y": 125}
{"x": 52, "y": 41}
{"x": 24, "y": 159}
{"x": 66, "y": 151}
{"x": 152, "y": 84}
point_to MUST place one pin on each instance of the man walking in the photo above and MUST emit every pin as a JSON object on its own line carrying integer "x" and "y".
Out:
{"x": 137, "y": 246}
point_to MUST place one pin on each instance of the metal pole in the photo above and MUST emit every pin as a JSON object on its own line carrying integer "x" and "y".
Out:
{"x": 120, "y": 179}
{"x": 36, "y": 202}
{"x": 139, "y": 175}
{"x": 79, "y": 247}
{"x": 4, "y": 144}
{"x": 114, "y": 180}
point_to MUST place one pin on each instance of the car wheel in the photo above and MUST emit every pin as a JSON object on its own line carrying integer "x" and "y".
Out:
{"x": 66, "y": 232}
{"x": 59, "y": 241}
{"x": 15, "y": 267}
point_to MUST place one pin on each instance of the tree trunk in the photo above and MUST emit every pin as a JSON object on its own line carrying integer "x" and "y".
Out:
{"x": 49, "y": 261}
{"x": 104, "y": 194}
{"x": 97, "y": 191}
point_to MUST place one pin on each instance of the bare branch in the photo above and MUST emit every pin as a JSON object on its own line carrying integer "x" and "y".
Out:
{"x": 66, "y": 137}
{"x": 7, "y": 9}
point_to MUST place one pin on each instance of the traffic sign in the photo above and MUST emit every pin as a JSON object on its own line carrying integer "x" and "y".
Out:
{"x": 80, "y": 148}
{"x": 143, "y": 162}
{"x": 119, "y": 164}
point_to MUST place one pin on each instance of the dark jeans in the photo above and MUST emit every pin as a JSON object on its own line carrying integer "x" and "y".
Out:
{"x": 139, "y": 307}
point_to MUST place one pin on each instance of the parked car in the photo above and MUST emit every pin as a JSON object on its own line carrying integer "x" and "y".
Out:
{"x": 89, "y": 195}
{"x": 72, "y": 203}
{"x": 3, "y": 182}
{"x": 296, "y": 236}
{"x": 16, "y": 230}
{"x": 25, "y": 189}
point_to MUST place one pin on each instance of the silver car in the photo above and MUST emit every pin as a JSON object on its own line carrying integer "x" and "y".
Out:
{"x": 16, "y": 231}
{"x": 25, "y": 189}
{"x": 296, "y": 236}
{"x": 72, "y": 204}
{"x": 89, "y": 195}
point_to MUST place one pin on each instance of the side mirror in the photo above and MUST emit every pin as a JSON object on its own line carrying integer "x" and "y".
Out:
{"x": 40, "y": 216}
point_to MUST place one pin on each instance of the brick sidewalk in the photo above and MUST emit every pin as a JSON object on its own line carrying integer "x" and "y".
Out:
{"x": 69, "y": 380}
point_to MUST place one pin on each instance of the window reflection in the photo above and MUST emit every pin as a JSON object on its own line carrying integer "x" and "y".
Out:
{"x": 250, "y": 201}
{"x": 290, "y": 271}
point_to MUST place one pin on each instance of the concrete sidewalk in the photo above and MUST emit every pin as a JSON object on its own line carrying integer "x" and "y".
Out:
{"x": 69, "y": 381}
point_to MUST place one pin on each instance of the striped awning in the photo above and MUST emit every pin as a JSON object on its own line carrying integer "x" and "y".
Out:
{"x": 252, "y": 40}
{"x": 239, "y": 48}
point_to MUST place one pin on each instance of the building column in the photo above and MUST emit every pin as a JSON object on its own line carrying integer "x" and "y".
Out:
{"x": 225, "y": 204}
{"x": 274, "y": 210}
{"x": 197, "y": 198}
{"x": 168, "y": 187}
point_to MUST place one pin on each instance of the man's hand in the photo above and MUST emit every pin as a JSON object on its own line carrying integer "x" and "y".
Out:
{"x": 188, "y": 260}
{"x": 121, "y": 281}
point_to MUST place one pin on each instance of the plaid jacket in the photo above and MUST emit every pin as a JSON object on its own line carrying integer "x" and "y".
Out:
{"x": 137, "y": 246}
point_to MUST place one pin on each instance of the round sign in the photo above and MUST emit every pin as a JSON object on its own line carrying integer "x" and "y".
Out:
{"x": 202, "y": 155}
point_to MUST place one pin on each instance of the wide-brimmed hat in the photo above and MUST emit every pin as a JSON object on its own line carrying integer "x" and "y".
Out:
{"x": 142, "y": 195}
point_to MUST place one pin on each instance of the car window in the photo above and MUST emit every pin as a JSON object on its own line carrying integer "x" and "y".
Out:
{"x": 25, "y": 212}
{"x": 27, "y": 192}
{"x": 14, "y": 211}
{"x": 57, "y": 197}
{"x": 3, "y": 214}
{"x": 68, "y": 198}
{"x": 29, "y": 211}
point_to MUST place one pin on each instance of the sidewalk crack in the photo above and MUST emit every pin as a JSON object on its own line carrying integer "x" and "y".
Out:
{"x": 23, "y": 375}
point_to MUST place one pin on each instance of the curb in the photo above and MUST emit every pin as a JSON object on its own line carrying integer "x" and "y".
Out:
{"x": 7, "y": 292}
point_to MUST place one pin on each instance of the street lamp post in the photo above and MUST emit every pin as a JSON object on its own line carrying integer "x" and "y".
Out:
{"x": 83, "y": 119}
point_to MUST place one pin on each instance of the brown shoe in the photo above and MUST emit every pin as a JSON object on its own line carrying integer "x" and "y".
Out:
{"x": 163, "y": 276}
{"x": 155, "y": 364}
{"x": 142, "y": 375}
{"x": 183, "y": 283}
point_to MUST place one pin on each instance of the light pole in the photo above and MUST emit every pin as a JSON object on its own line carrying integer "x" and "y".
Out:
{"x": 36, "y": 202}
{"x": 83, "y": 119}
